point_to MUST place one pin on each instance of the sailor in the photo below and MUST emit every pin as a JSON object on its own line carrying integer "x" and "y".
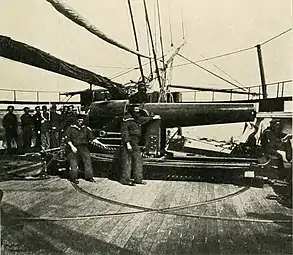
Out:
{"x": 140, "y": 96}
{"x": 78, "y": 136}
{"x": 45, "y": 129}
{"x": 275, "y": 143}
{"x": 27, "y": 129}
{"x": 37, "y": 118}
{"x": 71, "y": 116}
{"x": 131, "y": 159}
{"x": 64, "y": 118}
{"x": 55, "y": 126}
{"x": 10, "y": 125}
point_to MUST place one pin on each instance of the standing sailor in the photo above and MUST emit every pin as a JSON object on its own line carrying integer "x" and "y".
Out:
{"x": 45, "y": 128}
{"x": 55, "y": 126}
{"x": 27, "y": 129}
{"x": 131, "y": 157}
{"x": 10, "y": 125}
{"x": 37, "y": 118}
{"x": 78, "y": 136}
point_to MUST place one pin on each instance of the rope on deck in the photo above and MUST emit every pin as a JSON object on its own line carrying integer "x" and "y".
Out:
{"x": 167, "y": 211}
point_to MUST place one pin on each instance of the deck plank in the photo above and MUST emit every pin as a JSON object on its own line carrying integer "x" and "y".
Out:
{"x": 271, "y": 243}
{"x": 255, "y": 244}
{"x": 171, "y": 226}
{"x": 146, "y": 233}
{"x": 142, "y": 237}
{"x": 230, "y": 232}
{"x": 251, "y": 244}
{"x": 97, "y": 206}
{"x": 146, "y": 194}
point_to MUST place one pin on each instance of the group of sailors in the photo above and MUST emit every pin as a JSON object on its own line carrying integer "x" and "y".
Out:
{"x": 48, "y": 128}
{"x": 41, "y": 130}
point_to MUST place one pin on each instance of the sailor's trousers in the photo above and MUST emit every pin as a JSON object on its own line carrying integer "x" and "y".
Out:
{"x": 131, "y": 162}
{"x": 83, "y": 153}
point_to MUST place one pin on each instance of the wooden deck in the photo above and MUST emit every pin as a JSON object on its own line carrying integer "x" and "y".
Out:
{"x": 163, "y": 217}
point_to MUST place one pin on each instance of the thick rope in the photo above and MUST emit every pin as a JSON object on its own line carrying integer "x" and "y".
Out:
{"x": 74, "y": 16}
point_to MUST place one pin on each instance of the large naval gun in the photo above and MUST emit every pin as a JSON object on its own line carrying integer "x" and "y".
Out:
{"x": 161, "y": 161}
{"x": 105, "y": 117}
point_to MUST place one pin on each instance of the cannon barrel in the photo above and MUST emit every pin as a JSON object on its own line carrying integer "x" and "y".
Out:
{"x": 181, "y": 114}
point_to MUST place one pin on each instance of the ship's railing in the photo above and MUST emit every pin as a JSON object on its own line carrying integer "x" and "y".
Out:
{"x": 274, "y": 90}
{"x": 19, "y": 96}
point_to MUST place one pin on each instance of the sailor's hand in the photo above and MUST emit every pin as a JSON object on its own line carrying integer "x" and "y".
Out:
{"x": 286, "y": 138}
{"x": 128, "y": 146}
{"x": 74, "y": 149}
{"x": 157, "y": 117}
{"x": 96, "y": 142}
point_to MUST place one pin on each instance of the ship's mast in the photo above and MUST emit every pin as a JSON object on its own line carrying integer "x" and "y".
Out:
{"x": 136, "y": 41}
{"x": 262, "y": 72}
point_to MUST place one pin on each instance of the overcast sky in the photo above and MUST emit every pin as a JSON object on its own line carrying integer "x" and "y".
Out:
{"x": 211, "y": 27}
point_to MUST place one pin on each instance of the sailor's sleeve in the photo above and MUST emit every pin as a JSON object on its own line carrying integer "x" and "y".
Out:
{"x": 90, "y": 134}
{"x": 68, "y": 135}
{"x": 4, "y": 122}
{"x": 124, "y": 130}
{"x": 145, "y": 120}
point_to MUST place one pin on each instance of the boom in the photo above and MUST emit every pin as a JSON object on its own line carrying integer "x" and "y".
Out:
{"x": 27, "y": 54}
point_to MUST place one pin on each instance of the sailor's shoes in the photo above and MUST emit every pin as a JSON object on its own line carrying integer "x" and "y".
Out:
{"x": 140, "y": 182}
{"x": 129, "y": 183}
{"x": 90, "y": 180}
{"x": 75, "y": 181}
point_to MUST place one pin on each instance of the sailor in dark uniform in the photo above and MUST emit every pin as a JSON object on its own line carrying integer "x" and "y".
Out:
{"x": 27, "y": 129}
{"x": 274, "y": 141}
{"x": 10, "y": 125}
{"x": 131, "y": 158}
{"x": 71, "y": 115}
{"x": 45, "y": 129}
{"x": 140, "y": 96}
{"x": 55, "y": 120}
{"x": 78, "y": 136}
{"x": 37, "y": 121}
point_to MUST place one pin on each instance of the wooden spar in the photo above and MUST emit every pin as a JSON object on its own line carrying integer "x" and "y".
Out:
{"x": 27, "y": 54}
{"x": 181, "y": 114}
{"x": 78, "y": 19}
{"x": 160, "y": 30}
{"x": 136, "y": 41}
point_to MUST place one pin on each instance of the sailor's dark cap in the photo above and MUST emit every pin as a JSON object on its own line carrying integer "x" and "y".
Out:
{"x": 81, "y": 116}
{"x": 133, "y": 107}
{"x": 275, "y": 121}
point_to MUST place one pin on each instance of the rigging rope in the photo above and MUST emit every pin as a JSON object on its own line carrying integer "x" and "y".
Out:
{"x": 135, "y": 39}
{"x": 224, "y": 72}
{"x": 217, "y": 56}
{"x": 182, "y": 25}
{"x": 234, "y": 52}
{"x": 278, "y": 35}
{"x": 74, "y": 16}
{"x": 149, "y": 50}
{"x": 218, "y": 76}
{"x": 170, "y": 27}
{"x": 152, "y": 42}
{"x": 222, "y": 55}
